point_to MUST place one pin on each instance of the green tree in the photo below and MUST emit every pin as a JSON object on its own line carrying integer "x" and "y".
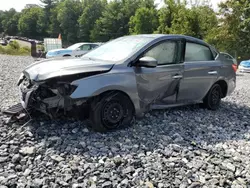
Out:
{"x": 110, "y": 24}
{"x": 29, "y": 24}
{"x": 69, "y": 12}
{"x": 54, "y": 27}
{"x": 115, "y": 19}
{"x": 166, "y": 15}
{"x": 233, "y": 33}
{"x": 145, "y": 21}
{"x": 1, "y": 19}
{"x": 177, "y": 18}
{"x": 181, "y": 23}
{"x": 10, "y": 22}
{"x": 49, "y": 5}
{"x": 92, "y": 10}
{"x": 207, "y": 20}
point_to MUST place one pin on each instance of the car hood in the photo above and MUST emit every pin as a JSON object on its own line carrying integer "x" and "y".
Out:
{"x": 245, "y": 63}
{"x": 47, "y": 69}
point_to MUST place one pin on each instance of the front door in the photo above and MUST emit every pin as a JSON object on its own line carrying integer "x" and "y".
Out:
{"x": 160, "y": 85}
{"x": 201, "y": 71}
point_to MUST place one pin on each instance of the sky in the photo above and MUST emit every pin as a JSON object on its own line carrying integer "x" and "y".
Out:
{"x": 20, "y": 4}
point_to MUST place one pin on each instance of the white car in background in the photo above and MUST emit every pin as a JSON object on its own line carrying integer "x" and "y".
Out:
{"x": 76, "y": 50}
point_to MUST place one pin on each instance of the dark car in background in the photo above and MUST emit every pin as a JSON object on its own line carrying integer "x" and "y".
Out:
{"x": 3, "y": 42}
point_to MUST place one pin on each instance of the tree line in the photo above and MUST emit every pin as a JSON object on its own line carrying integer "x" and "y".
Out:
{"x": 101, "y": 20}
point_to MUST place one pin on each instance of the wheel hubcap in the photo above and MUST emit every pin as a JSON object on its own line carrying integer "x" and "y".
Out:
{"x": 112, "y": 114}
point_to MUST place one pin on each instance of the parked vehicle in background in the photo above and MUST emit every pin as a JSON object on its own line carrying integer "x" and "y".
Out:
{"x": 244, "y": 66}
{"x": 129, "y": 76}
{"x": 75, "y": 50}
{"x": 3, "y": 42}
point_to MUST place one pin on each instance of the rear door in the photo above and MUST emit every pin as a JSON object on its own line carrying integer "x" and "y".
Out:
{"x": 159, "y": 85}
{"x": 201, "y": 70}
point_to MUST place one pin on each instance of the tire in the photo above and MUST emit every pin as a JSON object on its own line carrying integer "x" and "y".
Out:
{"x": 67, "y": 56}
{"x": 213, "y": 98}
{"x": 111, "y": 112}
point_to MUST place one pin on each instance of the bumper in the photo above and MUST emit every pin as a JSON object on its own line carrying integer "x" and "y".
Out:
{"x": 25, "y": 97}
{"x": 231, "y": 86}
{"x": 33, "y": 99}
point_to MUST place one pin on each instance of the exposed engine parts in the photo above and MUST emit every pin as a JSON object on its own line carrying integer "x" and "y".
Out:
{"x": 49, "y": 97}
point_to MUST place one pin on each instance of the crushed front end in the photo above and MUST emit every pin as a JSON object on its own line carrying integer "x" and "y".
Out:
{"x": 48, "y": 97}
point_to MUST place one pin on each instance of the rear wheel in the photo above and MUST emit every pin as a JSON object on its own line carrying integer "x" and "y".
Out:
{"x": 112, "y": 111}
{"x": 213, "y": 98}
{"x": 67, "y": 55}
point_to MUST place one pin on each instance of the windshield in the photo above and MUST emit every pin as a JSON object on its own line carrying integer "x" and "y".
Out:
{"x": 74, "y": 46}
{"x": 118, "y": 49}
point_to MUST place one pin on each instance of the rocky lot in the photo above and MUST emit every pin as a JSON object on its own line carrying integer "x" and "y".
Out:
{"x": 180, "y": 147}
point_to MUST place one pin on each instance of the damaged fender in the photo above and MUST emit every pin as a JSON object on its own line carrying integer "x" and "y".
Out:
{"x": 123, "y": 81}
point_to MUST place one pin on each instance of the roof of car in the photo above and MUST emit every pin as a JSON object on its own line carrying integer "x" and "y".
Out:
{"x": 163, "y": 35}
{"x": 88, "y": 43}
{"x": 158, "y": 36}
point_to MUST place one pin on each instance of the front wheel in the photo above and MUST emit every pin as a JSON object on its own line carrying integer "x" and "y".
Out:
{"x": 112, "y": 111}
{"x": 213, "y": 98}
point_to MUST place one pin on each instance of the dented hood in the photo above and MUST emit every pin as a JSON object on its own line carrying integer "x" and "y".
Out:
{"x": 47, "y": 69}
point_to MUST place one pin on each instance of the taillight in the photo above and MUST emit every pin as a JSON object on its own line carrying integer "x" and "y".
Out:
{"x": 235, "y": 67}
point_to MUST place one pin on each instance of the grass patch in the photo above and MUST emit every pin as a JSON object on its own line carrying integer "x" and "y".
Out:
{"x": 40, "y": 47}
{"x": 14, "y": 49}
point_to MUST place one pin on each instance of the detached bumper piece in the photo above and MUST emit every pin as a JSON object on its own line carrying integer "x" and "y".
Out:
{"x": 17, "y": 114}
{"x": 14, "y": 110}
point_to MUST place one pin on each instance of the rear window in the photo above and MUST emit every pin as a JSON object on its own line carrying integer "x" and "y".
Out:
{"x": 198, "y": 52}
{"x": 228, "y": 57}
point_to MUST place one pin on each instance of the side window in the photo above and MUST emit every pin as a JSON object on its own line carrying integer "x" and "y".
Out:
{"x": 85, "y": 47}
{"x": 197, "y": 52}
{"x": 164, "y": 53}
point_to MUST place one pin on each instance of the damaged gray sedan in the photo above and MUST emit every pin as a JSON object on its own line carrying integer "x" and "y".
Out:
{"x": 127, "y": 77}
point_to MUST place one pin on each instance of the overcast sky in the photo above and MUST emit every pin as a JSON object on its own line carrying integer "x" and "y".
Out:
{"x": 19, "y": 4}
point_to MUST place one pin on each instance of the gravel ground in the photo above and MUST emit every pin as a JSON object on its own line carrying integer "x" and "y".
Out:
{"x": 180, "y": 147}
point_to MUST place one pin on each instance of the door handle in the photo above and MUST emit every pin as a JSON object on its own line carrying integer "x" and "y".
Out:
{"x": 212, "y": 72}
{"x": 177, "y": 77}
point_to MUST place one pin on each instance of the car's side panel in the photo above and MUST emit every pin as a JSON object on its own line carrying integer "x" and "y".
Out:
{"x": 198, "y": 77}
{"x": 158, "y": 85}
{"x": 120, "y": 79}
{"x": 201, "y": 71}
{"x": 227, "y": 73}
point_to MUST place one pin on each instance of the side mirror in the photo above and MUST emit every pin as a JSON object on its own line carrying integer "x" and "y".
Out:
{"x": 78, "y": 49}
{"x": 149, "y": 62}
